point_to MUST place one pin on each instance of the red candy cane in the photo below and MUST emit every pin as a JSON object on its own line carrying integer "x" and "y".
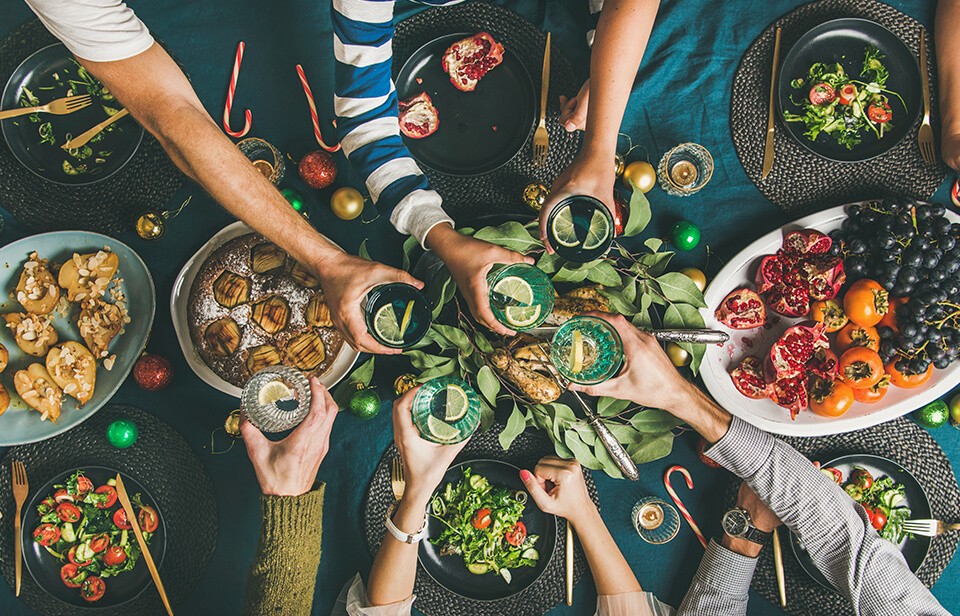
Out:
{"x": 248, "y": 117}
{"x": 676, "y": 499}
{"x": 313, "y": 112}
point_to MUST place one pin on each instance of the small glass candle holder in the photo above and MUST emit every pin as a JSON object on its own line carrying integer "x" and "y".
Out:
{"x": 266, "y": 158}
{"x": 276, "y": 399}
{"x": 656, "y": 521}
{"x": 685, "y": 169}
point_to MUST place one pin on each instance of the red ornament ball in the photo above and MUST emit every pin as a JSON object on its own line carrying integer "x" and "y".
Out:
{"x": 701, "y": 446}
{"x": 317, "y": 169}
{"x": 620, "y": 215}
{"x": 153, "y": 372}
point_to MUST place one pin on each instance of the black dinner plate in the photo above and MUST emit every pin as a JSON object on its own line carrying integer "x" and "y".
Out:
{"x": 44, "y": 568}
{"x": 40, "y": 73}
{"x": 843, "y": 41}
{"x": 479, "y": 131}
{"x": 914, "y": 550}
{"x": 451, "y": 573}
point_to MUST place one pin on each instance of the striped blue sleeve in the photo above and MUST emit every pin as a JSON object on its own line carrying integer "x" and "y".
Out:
{"x": 365, "y": 103}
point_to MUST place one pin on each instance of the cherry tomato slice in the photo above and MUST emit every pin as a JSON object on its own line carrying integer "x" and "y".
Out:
{"x": 99, "y": 543}
{"x": 93, "y": 588}
{"x": 879, "y": 113}
{"x": 481, "y": 519}
{"x": 847, "y": 94}
{"x": 114, "y": 556}
{"x": 835, "y": 473}
{"x": 517, "y": 535}
{"x": 120, "y": 519}
{"x": 62, "y": 496}
{"x": 68, "y": 512}
{"x": 147, "y": 519}
{"x": 46, "y": 534}
{"x": 111, "y": 496}
{"x": 879, "y": 519}
{"x": 822, "y": 93}
{"x": 84, "y": 485}
{"x": 72, "y": 557}
{"x": 71, "y": 575}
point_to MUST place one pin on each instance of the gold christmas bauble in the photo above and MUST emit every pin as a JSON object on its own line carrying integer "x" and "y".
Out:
{"x": 232, "y": 424}
{"x": 150, "y": 225}
{"x": 677, "y": 354}
{"x": 404, "y": 383}
{"x": 621, "y": 164}
{"x": 640, "y": 174}
{"x": 346, "y": 203}
{"x": 698, "y": 277}
{"x": 534, "y": 195}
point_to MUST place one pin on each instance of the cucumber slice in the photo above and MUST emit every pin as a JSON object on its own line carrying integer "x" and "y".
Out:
{"x": 478, "y": 568}
{"x": 506, "y": 575}
{"x": 477, "y": 481}
{"x": 67, "y": 533}
{"x": 531, "y": 554}
{"x": 891, "y": 498}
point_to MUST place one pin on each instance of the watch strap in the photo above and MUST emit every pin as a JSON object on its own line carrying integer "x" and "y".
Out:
{"x": 401, "y": 536}
{"x": 756, "y": 535}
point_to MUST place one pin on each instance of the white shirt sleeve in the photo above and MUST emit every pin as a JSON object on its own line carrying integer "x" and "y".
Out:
{"x": 96, "y": 30}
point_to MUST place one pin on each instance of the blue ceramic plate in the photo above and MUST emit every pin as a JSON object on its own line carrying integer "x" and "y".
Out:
{"x": 21, "y": 424}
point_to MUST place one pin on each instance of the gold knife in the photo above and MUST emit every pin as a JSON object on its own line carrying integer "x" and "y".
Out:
{"x": 768, "y": 150}
{"x": 82, "y": 139}
{"x": 569, "y": 559}
{"x": 778, "y": 567}
{"x": 132, "y": 519}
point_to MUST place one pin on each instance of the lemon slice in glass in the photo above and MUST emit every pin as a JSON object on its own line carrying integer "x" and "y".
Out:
{"x": 441, "y": 430}
{"x": 515, "y": 288}
{"x": 387, "y": 326}
{"x": 599, "y": 231}
{"x": 273, "y": 392}
{"x": 576, "y": 352}
{"x": 457, "y": 403}
{"x": 522, "y": 316}
{"x": 563, "y": 230}
{"x": 405, "y": 323}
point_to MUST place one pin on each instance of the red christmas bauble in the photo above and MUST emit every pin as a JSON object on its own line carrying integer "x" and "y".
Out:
{"x": 153, "y": 372}
{"x": 620, "y": 215}
{"x": 701, "y": 446}
{"x": 317, "y": 169}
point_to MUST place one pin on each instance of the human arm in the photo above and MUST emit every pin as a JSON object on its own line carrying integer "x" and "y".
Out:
{"x": 621, "y": 39}
{"x": 284, "y": 569}
{"x": 948, "y": 73}
{"x": 424, "y": 465}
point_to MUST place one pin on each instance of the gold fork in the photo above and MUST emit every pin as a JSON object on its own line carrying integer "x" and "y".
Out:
{"x": 541, "y": 140}
{"x": 925, "y": 138}
{"x": 397, "y": 482}
{"x": 61, "y": 106}
{"x": 20, "y": 488}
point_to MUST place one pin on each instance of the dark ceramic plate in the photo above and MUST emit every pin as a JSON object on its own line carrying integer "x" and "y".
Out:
{"x": 914, "y": 550}
{"x": 40, "y": 73}
{"x": 44, "y": 568}
{"x": 844, "y": 41}
{"x": 479, "y": 131}
{"x": 451, "y": 573}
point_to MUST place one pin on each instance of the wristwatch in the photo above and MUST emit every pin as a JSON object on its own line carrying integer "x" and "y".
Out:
{"x": 401, "y": 536}
{"x": 737, "y": 523}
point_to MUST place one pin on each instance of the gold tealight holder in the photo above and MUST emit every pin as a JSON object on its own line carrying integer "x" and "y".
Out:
{"x": 265, "y": 158}
{"x": 685, "y": 169}
{"x": 656, "y": 521}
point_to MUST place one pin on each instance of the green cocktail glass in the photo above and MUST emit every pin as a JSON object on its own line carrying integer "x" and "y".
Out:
{"x": 580, "y": 229}
{"x": 446, "y": 410}
{"x": 398, "y": 315}
{"x": 521, "y": 295}
{"x": 587, "y": 350}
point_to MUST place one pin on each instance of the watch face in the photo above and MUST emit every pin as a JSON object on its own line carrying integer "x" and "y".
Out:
{"x": 735, "y": 523}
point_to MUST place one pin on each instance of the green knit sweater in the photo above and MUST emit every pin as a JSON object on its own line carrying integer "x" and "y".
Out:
{"x": 284, "y": 571}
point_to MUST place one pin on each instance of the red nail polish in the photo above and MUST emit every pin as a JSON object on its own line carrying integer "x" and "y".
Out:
{"x": 525, "y": 475}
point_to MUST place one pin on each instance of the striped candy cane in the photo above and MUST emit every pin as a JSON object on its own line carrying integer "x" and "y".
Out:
{"x": 676, "y": 499}
{"x": 248, "y": 116}
{"x": 313, "y": 112}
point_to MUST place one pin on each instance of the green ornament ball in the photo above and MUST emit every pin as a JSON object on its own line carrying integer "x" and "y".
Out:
{"x": 365, "y": 403}
{"x": 933, "y": 415}
{"x": 122, "y": 433}
{"x": 294, "y": 198}
{"x": 685, "y": 235}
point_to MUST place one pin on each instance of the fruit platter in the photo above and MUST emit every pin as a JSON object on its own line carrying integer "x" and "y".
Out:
{"x": 839, "y": 321}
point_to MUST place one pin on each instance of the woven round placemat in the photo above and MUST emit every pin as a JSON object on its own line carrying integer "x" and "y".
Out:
{"x": 499, "y": 191}
{"x": 163, "y": 463}
{"x": 109, "y": 206}
{"x": 434, "y": 600}
{"x": 910, "y": 446}
{"x": 802, "y": 182}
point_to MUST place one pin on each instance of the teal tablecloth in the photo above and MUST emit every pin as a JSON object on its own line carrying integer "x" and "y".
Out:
{"x": 682, "y": 94}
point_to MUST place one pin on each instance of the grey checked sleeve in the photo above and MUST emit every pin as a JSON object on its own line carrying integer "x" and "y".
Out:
{"x": 870, "y": 571}
{"x": 722, "y": 583}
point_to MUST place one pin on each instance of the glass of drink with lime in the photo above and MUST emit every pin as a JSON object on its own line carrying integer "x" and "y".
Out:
{"x": 276, "y": 399}
{"x": 580, "y": 229}
{"x": 587, "y": 350}
{"x": 446, "y": 410}
{"x": 398, "y": 315}
{"x": 521, "y": 295}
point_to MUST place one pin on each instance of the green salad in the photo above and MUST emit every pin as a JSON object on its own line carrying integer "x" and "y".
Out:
{"x": 483, "y": 524}
{"x": 842, "y": 106}
{"x": 880, "y": 498}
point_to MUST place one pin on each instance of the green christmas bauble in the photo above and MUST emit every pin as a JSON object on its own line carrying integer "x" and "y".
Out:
{"x": 365, "y": 403}
{"x": 685, "y": 235}
{"x": 122, "y": 433}
{"x": 294, "y": 198}
{"x": 933, "y": 415}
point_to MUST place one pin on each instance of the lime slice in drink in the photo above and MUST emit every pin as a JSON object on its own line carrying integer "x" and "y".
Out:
{"x": 522, "y": 316}
{"x": 405, "y": 323}
{"x": 457, "y": 403}
{"x": 386, "y": 324}
{"x": 441, "y": 430}
{"x": 273, "y": 392}
{"x": 599, "y": 231}
{"x": 515, "y": 288}
{"x": 576, "y": 352}
{"x": 563, "y": 230}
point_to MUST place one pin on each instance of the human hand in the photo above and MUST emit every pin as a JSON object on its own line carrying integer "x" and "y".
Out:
{"x": 469, "y": 261}
{"x": 760, "y": 515}
{"x": 345, "y": 281}
{"x": 589, "y": 174}
{"x": 557, "y": 486}
{"x": 424, "y": 463}
{"x": 950, "y": 149}
{"x": 573, "y": 111}
{"x": 289, "y": 467}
